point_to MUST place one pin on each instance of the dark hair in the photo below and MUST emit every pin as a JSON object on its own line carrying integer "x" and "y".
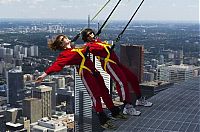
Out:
{"x": 55, "y": 43}
{"x": 84, "y": 34}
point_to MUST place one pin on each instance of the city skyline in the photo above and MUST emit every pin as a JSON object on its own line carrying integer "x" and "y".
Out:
{"x": 170, "y": 56}
{"x": 170, "y": 10}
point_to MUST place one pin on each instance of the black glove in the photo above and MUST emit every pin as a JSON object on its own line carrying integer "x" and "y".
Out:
{"x": 112, "y": 47}
{"x": 96, "y": 73}
{"x": 76, "y": 37}
{"x": 87, "y": 50}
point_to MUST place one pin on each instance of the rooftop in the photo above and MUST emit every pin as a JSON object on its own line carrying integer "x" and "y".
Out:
{"x": 175, "y": 109}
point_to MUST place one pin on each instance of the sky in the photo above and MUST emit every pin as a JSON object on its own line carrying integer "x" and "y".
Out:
{"x": 157, "y": 10}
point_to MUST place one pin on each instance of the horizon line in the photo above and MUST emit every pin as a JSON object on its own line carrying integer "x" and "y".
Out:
{"x": 62, "y": 19}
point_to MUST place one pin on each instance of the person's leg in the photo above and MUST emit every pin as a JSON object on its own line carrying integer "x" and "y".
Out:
{"x": 115, "y": 111}
{"x": 94, "y": 90}
{"x": 104, "y": 90}
{"x": 121, "y": 81}
{"x": 122, "y": 87}
{"x": 133, "y": 80}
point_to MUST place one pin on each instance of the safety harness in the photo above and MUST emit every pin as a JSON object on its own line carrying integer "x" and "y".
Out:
{"x": 82, "y": 66}
{"x": 107, "y": 59}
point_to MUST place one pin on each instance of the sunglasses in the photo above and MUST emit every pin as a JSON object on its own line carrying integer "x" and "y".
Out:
{"x": 90, "y": 34}
{"x": 62, "y": 39}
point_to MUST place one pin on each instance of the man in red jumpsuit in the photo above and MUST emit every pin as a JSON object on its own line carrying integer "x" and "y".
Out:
{"x": 92, "y": 80}
{"x": 118, "y": 72}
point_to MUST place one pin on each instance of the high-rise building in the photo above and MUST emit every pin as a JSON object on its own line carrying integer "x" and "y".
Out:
{"x": 154, "y": 63}
{"x": 32, "y": 109}
{"x": 178, "y": 57}
{"x": 2, "y": 123}
{"x": 15, "y": 84}
{"x": 25, "y": 122}
{"x": 83, "y": 106}
{"x": 8, "y": 58}
{"x": 175, "y": 73}
{"x": 25, "y": 51}
{"x": 59, "y": 80}
{"x": 44, "y": 93}
{"x": 132, "y": 56}
{"x": 9, "y": 51}
{"x": 33, "y": 50}
{"x": 148, "y": 76}
{"x": 53, "y": 85}
{"x": 66, "y": 95}
{"x": 2, "y": 52}
{"x": 18, "y": 51}
{"x": 13, "y": 114}
{"x": 161, "y": 59}
{"x": 2, "y": 67}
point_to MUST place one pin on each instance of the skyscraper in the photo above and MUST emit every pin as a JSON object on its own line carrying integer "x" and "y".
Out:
{"x": 32, "y": 109}
{"x": 2, "y": 123}
{"x": 175, "y": 73}
{"x": 2, "y": 52}
{"x": 53, "y": 85}
{"x": 33, "y": 50}
{"x": 83, "y": 106}
{"x": 13, "y": 114}
{"x": 15, "y": 83}
{"x": 132, "y": 56}
{"x": 44, "y": 93}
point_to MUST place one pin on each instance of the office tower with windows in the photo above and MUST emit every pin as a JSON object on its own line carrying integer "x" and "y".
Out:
{"x": 32, "y": 109}
{"x": 2, "y": 123}
{"x": 53, "y": 85}
{"x": 132, "y": 56}
{"x": 83, "y": 107}
{"x": 15, "y": 84}
{"x": 44, "y": 93}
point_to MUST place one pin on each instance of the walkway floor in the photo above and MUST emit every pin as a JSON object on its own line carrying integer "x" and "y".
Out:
{"x": 176, "y": 109}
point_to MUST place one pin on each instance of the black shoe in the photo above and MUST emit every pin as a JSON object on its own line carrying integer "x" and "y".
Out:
{"x": 109, "y": 125}
{"x": 103, "y": 118}
{"x": 116, "y": 113}
{"x": 120, "y": 116}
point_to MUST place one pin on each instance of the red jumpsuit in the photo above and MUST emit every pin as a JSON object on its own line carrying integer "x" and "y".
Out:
{"x": 94, "y": 85}
{"x": 118, "y": 72}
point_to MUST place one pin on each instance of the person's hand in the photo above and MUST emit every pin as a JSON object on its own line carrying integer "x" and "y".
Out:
{"x": 76, "y": 37}
{"x": 39, "y": 79}
{"x": 112, "y": 47}
{"x": 87, "y": 51}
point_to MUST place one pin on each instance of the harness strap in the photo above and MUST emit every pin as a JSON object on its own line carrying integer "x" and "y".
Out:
{"x": 107, "y": 59}
{"x": 82, "y": 66}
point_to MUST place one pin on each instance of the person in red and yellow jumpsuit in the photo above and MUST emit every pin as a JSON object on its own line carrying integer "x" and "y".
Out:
{"x": 118, "y": 72}
{"x": 92, "y": 80}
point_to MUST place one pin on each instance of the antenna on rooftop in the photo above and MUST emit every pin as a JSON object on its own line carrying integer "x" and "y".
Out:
{"x": 88, "y": 21}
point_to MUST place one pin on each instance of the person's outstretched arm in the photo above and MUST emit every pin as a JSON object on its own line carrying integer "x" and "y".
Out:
{"x": 57, "y": 66}
{"x": 40, "y": 78}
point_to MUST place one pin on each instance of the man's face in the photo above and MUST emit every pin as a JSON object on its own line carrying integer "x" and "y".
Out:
{"x": 90, "y": 36}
